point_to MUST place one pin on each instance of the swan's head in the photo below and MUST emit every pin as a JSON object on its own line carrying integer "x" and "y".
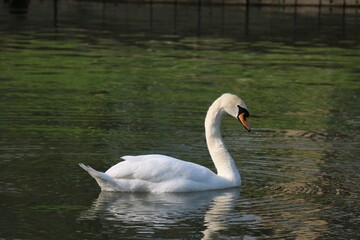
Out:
{"x": 236, "y": 107}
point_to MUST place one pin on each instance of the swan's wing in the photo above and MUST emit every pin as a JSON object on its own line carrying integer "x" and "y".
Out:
{"x": 158, "y": 168}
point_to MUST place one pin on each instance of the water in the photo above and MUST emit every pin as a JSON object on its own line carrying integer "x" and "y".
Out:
{"x": 92, "y": 81}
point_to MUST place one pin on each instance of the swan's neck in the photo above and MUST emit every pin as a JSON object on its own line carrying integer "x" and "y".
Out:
{"x": 222, "y": 159}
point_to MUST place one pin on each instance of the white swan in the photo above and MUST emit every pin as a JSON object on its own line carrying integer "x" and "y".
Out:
{"x": 159, "y": 173}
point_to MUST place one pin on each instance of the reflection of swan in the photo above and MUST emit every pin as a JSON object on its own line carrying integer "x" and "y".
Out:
{"x": 210, "y": 212}
{"x": 159, "y": 173}
{"x": 147, "y": 212}
{"x": 159, "y": 209}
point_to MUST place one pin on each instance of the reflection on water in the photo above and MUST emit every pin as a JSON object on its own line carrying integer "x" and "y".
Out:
{"x": 288, "y": 23}
{"x": 92, "y": 81}
{"x": 150, "y": 212}
{"x": 18, "y": 6}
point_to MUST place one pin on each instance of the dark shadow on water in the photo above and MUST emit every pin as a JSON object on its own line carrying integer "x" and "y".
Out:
{"x": 250, "y": 23}
{"x": 18, "y": 7}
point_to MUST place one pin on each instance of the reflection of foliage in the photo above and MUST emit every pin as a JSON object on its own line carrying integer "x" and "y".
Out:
{"x": 288, "y": 87}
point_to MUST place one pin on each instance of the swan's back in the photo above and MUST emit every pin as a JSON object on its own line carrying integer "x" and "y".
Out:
{"x": 158, "y": 168}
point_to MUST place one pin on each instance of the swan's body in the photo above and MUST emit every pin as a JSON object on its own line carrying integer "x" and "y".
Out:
{"x": 159, "y": 173}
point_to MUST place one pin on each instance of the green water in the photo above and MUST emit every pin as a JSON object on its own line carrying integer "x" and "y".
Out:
{"x": 80, "y": 82}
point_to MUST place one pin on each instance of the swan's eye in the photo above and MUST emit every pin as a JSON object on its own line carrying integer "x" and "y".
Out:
{"x": 243, "y": 110}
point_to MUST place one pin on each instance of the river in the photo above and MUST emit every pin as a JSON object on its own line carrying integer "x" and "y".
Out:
{"x": 91, "y": 81}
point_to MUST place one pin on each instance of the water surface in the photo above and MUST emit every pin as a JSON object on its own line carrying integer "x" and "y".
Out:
{"x": 90, "y": 82}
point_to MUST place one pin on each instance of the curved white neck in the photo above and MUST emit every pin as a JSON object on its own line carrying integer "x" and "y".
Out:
{"x": 222, "y": 159}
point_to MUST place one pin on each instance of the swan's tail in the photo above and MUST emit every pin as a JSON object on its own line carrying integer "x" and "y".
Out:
{"x": 106, "y": 182}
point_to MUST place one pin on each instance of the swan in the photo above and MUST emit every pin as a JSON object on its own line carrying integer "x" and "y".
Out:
{"x": 159, "y": 173}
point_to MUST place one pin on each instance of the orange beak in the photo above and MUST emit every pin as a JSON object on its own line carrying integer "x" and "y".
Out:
{"x": 243, "y": 121}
